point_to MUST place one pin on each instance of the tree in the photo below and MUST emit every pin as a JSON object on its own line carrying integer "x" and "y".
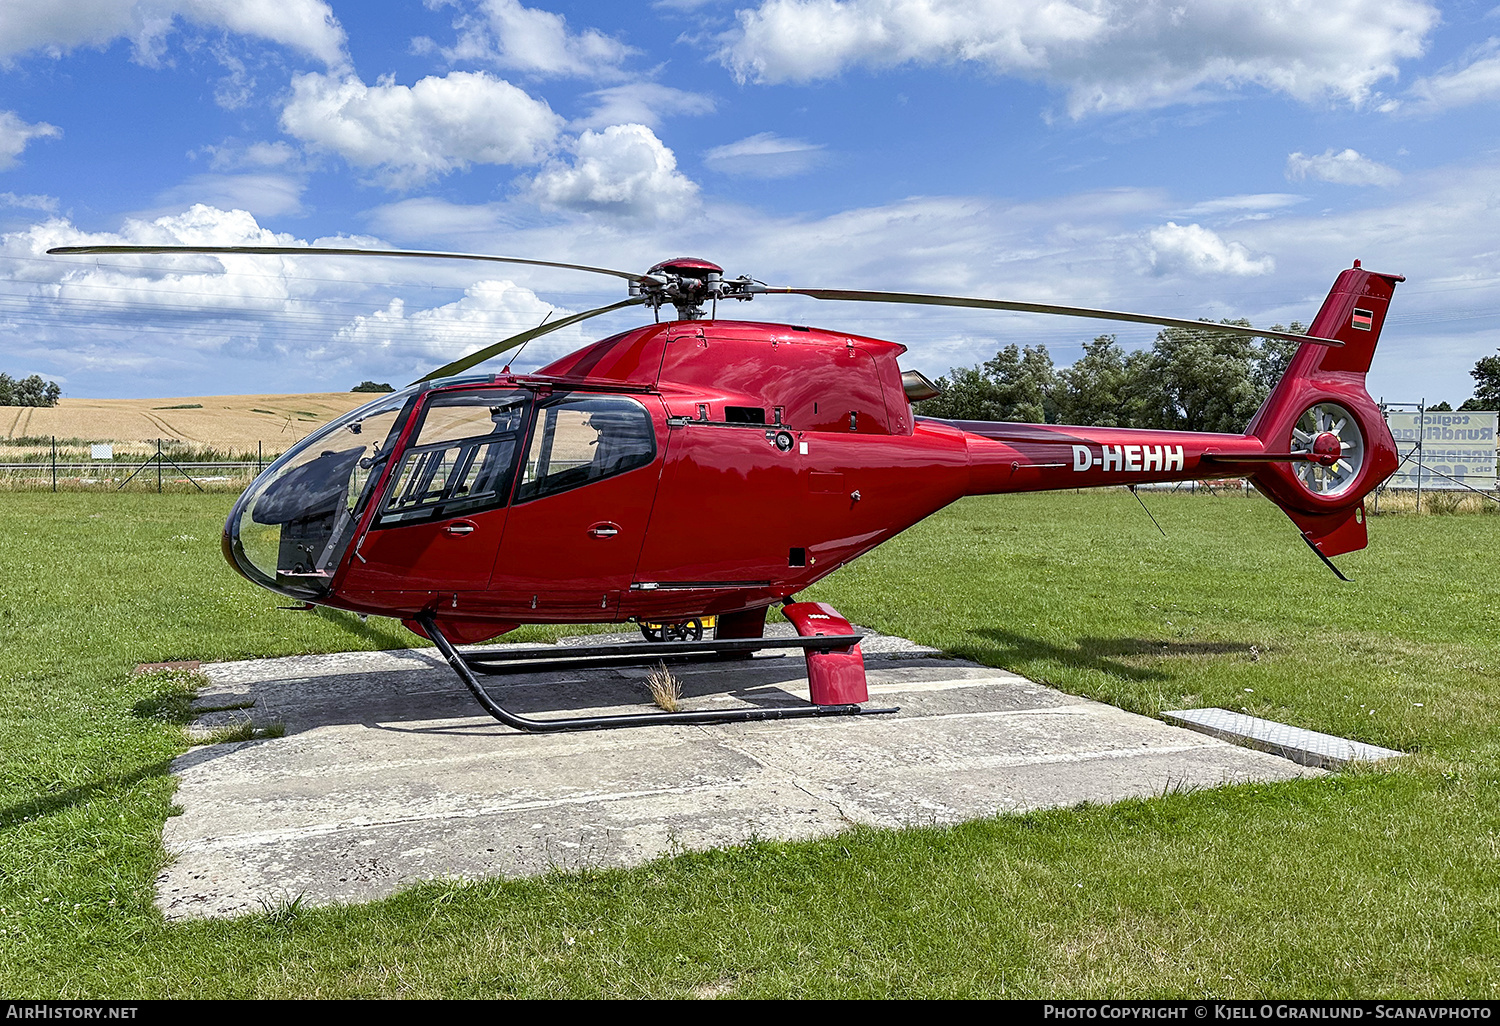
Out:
{"x": 1190, "y": 379}
{"x": 1209, "y": 380}
{"x": 371, "y": 386}
{"x": 1441, "y": 407}
{"x": 1486, "y": 375}
{"x": 1096, "y": 388}
{"x": 32, "y": 391}
{"x": 1200, "y": 381}
{"x": 1027, "y": 381}
{"x": 1017, "y": 384}
{"x": 1274, "y": 357}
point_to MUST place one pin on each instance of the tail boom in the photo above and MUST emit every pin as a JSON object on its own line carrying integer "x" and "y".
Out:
{"x": 1319, "y": 416}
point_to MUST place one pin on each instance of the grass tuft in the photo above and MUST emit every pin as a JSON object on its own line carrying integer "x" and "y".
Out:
{"x": 665, "y": 688}
{"x": 245, "y": 731}
{"x": 283, "y": 911}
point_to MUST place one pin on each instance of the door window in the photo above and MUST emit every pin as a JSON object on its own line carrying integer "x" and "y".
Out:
{"x": 581, "y": 439}
{"x": 462, "y": 461}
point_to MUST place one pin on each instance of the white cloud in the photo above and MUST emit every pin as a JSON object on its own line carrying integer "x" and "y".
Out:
{"x": 1089, "y": 249}
{"x": 1194, "y": 249}
{"x": 1477, "y": 81}
{"x": 624, "y": 170}
{"x": 1253, "y": 203}
{"x": 233, "y": 155}
{"x": 1346, "y": 167}
{"x": 264, "y": 195}
{"x": 642, "y": 103}
{"x": 765, "y": 155}
{"x": 46, "y": 204}
{"x": 427, "y": 217}
{"x": 242, "y": 322}
{"x": 532, "y": 41}
{"x": 1125, "y": 55}
{"x": 488, "y": 312}
{"x": 410, "y": 134}
{"x": 56, "y": 28}
{"x": 108, "y": 288}
{"x": 15, "y": 134}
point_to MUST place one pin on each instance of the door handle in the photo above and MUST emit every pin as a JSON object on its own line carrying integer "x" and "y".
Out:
{"x": 459, "y": 528}
{"x": 604, "y": 530}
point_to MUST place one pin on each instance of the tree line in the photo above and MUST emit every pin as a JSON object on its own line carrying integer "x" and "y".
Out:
{"x": 1188, "y": 380}
{"x": 32, "y": 391}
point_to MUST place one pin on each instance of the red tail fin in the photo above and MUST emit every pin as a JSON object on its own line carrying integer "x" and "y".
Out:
{"x": 1323, "y": 392}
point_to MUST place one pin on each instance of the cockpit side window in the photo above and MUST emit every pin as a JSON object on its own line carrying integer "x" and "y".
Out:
{"x": 461, "y": 461}
{"x": 578, "y": 440}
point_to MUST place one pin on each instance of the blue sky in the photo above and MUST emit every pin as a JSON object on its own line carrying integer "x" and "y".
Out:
{"x": 1193, "y": 159}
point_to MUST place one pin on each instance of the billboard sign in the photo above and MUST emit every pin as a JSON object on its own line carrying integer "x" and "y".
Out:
{"x": 1457, "y": 449}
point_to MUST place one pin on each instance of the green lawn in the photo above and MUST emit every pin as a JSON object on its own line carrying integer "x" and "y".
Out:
{"x": 1365, "y": 883}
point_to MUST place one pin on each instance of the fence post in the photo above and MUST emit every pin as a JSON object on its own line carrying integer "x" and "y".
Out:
{"x": 257, "y": 459}
{"x": 1421, "y": 438}
{"x": 54, "y": 463}
{"x": 158, "y": 466}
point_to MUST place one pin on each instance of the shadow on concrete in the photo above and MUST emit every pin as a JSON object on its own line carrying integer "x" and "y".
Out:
{"x": 402, "y": 698}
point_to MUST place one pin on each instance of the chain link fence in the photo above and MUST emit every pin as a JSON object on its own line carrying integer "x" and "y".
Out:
{"x": 157, "y": 465}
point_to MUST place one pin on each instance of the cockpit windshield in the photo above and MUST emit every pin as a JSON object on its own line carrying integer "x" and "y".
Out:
{"x": 290, "y": 529}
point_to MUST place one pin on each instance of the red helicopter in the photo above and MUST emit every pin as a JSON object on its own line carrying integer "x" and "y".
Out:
{"x": 699, "y": 467}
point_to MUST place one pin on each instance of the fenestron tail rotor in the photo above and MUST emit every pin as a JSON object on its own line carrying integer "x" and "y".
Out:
{"x": 689, "y": 284}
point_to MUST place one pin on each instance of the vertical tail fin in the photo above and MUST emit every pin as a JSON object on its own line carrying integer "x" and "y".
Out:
{"x": 1322, "y": 399}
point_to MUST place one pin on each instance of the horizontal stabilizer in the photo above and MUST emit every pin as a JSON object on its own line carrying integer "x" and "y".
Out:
{"x": 1333, "y": 534}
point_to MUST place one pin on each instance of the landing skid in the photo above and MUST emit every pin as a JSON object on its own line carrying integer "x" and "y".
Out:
{"x": 497, "y": 662}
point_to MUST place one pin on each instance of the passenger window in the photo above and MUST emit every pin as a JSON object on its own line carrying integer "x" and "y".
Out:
{"x": 462, "y": 461}
{"x": 579, "y": 440}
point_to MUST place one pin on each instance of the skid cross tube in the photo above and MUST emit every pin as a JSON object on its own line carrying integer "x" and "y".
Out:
{"x": 494, "y": 662}
{"x": 461, "y": 666}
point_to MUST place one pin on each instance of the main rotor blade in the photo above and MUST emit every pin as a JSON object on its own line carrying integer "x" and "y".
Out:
{"x": 337, "y": 251}
{"x": 919, "y": 299}
{"x": 464, "y": 363}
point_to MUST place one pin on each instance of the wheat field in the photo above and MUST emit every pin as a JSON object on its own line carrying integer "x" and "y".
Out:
{"x": 219, "y": 422}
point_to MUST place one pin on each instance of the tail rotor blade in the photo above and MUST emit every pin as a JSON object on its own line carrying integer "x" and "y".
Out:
{"x": 464, "y": 363}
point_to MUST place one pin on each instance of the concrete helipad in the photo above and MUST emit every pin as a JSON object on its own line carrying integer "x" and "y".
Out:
{"x": 389, "y": 774}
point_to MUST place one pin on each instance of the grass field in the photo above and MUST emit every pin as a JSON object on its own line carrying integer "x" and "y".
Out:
{"x": 1375, "y": 882}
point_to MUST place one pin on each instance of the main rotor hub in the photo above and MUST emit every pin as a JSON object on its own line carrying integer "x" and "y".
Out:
{"x": 687, "y": 283}
{"x": 688, "y": 267}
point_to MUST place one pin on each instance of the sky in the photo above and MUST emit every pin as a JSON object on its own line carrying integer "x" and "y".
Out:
{"x": 1194, "y": 159}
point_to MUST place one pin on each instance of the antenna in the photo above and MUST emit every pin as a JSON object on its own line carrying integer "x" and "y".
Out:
{"x": 513, "y": 359}
{"x": 1148, "y": 512}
